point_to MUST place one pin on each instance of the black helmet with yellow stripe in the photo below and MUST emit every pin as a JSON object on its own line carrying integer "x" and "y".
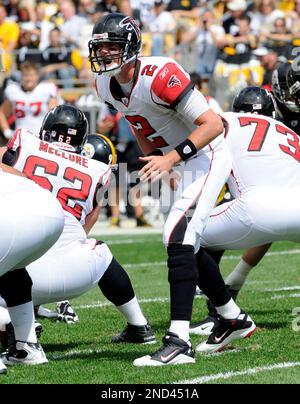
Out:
{"x": 100, "y": 148}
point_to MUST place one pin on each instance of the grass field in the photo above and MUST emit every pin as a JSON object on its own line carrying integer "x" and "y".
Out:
{"x": 82, "y": 353}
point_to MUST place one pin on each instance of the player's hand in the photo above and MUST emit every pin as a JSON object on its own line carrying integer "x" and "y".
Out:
{"x": 155, "y": 167}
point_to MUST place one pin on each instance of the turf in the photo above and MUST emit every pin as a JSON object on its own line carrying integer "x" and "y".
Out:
{"x": 82, "y": 353}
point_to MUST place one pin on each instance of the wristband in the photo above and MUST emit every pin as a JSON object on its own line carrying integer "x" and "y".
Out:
{"x": 186, "y": 149}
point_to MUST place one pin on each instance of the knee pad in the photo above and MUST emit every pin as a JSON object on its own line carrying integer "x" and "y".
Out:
{"x": 182, "y": 263}
{"x": 15, "y": 287}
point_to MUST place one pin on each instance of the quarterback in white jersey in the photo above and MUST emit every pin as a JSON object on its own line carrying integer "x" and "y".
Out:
{"x": 265, "y": 181}
{"x": 74, "y": 264}
{"x": 31, "y": 221}
{"x": 177, "y": 131}
{"x": 28, "y": 102}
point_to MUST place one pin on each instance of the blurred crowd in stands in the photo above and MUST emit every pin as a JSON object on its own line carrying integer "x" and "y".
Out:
{"x": 233, "y": 42}
{"x": 225, "y": 45}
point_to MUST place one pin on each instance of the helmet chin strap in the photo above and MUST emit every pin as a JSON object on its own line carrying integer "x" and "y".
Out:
{"x": 112, "y": 73}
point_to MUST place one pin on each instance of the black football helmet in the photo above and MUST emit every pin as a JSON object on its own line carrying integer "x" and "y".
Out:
{"x": 119, "y": 29}
{"x": 66, "y": 126}
{"x": 293, "y": 83}
{"x": 280, "y": 88}
{"x": 255, "y": 100}
{"x": 100, "y": 148}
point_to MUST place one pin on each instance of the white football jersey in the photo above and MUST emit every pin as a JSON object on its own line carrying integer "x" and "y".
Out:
{"x": 262, "y": 149}
{"x": 73, "y": 179}
{"x": 159, "y": 85}
{"x": 30, "y": 107}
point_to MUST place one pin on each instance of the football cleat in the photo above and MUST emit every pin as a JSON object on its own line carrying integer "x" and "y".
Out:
{"x": 174, "y": 351}
{"x": 135, "y": 334}
{"x": 227, "y": 331}
{"x": 66, "y": 313}
{"x": 8, "y": 340}
{"x": 206, "y": 326}
{"x": 24, "y": 353}
{"x": 3, "y": 368}
{"x": 198, "y": 291}
{"x": 211, "y": 322}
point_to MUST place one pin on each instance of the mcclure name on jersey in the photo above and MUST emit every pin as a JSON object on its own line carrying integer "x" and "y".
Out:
{"x": 45, "y": 147}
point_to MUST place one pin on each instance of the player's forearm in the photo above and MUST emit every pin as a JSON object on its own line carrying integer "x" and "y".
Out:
{"x": 210, "y": 126}
{"x": 206, "y": 133}
{"x": 91, "y": 219}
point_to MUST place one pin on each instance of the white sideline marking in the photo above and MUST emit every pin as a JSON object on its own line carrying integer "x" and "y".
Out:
{"x": 95, "y": 305}
{"x": 226, "y": 257}
{"x": 145, "y": 264}
{"x": 283, "y": 289}
{"x": 277, "y": 297}
{"x": 129, "y": 241}
{"x": 229, "y": 375}
{"x": 71, "y": 354}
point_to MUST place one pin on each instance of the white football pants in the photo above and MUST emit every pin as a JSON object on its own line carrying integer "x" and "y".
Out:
{"x": 31, "y": 220}
{"x": 259, "y": 216}
{"x": 187, "y": 209}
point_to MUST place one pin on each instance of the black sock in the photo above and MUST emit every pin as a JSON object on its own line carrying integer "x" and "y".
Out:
{"x": 215, "y": 255}
{"x": 15, "y": 287}
{"x": 116, "y": 285}
{"x": 210, "y": 280}
{"x": 183, "y": 280}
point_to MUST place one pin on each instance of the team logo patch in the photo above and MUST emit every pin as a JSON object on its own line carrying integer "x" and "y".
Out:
{"x": 187, "y": 149}
{"x": 88, "y": 150}
{"x": 174, "y": 81}
{"x": 72, "y": 131}
{"x": 163, "y": 74}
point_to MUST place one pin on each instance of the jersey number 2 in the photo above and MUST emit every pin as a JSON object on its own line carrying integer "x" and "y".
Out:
{"x": 143, "y": 127}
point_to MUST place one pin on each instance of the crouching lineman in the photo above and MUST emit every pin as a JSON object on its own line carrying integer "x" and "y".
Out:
{"x": 75, "y": 264}
{"x": 31, "y": 222}
{"x": 263, "y": 210}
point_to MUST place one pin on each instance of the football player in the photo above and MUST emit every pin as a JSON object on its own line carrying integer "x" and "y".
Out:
{"x": 263, "y": 210}
{"x": 287, "y": 109}
{"x": 31, "y": 221}
{"x": 177, "y": 131}
{"x": 28, "y": 101}
{"x": 75, "y": 264}
{"x": 255, "y": 100}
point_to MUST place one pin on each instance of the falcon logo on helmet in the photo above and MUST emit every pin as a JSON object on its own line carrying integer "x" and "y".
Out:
{"x": 130, "y": 24}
